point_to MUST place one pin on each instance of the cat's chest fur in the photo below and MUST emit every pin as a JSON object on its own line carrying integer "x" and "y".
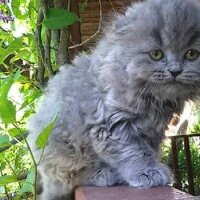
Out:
{"x": 150, "y": 123}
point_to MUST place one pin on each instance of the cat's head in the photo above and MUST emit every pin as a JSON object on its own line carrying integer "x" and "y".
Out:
{"x": 157, "y": 43}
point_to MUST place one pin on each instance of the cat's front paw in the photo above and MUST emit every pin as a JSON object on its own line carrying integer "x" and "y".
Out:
{"x": 151, "y": 176}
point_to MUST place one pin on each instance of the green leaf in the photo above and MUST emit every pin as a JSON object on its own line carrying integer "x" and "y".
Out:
{"x": 7, "y": 108}
{"x": 32, "y": 10}
{"x": 4, "y": 180}
{"x": 34, "y": 95}
{"x": 14, "y": 46}
{"x": 7, "y": 111}
{"x": 5, "y": 87}
{"x": 42, "y": 139}
{"x": 13, "y": 132}
{"x": 15, "y": 8}
{"x": 3, "y": 55}
{"x": 7, "y": 83}
{"x": 17, "y": 75}
{"x": 23, "y": 55}
{"x": 17, "y": 161}
{"x": 26, "y": 114}
{"x": 4, "y": 141}
{"x": 29, "y": 183}
{"x": 58, "y": 18}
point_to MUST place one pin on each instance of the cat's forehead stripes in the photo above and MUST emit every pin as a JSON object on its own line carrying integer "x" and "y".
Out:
{"x": 155, "y": 33}
{"x": 179, "y": 20}
{"x": 171, "y": 23}
{"x": 195, "y": 37}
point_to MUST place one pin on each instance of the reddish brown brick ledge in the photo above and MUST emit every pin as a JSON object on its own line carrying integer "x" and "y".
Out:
{"x": 129, "y": 193}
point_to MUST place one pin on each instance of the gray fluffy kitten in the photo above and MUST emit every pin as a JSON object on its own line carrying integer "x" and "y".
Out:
{"x": 116, "y": 102}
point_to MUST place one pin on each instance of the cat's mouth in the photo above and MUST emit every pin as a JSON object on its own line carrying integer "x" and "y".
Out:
{"x": 175, "y": 81}
{"x": 171, "y": 81}
{"x": 175, "y": 88}
{"x": 186, "y": 77}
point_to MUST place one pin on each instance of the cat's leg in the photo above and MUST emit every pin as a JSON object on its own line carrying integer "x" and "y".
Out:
{"x": 54, "y": 188}
{"x": 133, "y": 157}
{"x": 57, "y": 172}
{"x": 58, "y": 184}
{"x": 102, "y": 175}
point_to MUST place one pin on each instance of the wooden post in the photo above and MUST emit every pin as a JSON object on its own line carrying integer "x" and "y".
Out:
{"x": 188, "y": 161}
{"x": 75, "y": 29}
{"x": 175, "y": 163}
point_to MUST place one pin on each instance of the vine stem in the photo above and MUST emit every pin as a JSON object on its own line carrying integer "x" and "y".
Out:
{"x": 113, "y": 7}
{"x": 13, "y": 171}
{"x": 33, "y": 159}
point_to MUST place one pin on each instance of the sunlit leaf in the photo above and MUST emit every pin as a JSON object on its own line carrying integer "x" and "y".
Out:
{"x": 7, "y": 111}
{"x": 29, "y": 99}
{"x": 7, "y": 83}
{"x": 4, "y": 141}
{"x": 15, "y": 8}
{"x": 13, "y": 132}
{"x": 20, "y": 55}
{"x": 32, "y": 10}
{"x": 59, "y": 18}
{"x": 4, "y": 180}
{"x": 17, "y": 75}
{"x": 17, "y": 161}
{"x": 42, "y": 139}
{"x": 26, "y": 114}
{"x": 5, "y": 87}
{"x": 7, "y": 108}
{"x": 15, "y": 46}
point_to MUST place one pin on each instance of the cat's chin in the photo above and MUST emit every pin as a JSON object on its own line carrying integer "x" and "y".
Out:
{"x": 173, "y": 90}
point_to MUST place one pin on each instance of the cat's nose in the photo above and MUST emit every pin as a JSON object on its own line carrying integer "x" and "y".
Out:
{"x": 175, "y": 73}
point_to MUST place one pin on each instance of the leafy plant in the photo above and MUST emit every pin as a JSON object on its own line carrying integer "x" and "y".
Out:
{"x": 196, "y": 126}
{"x": 25, "y": 66}
{"x": 12, "y": 127}
{"x": 58, "y": 18}
{"x": 195, "y": 156}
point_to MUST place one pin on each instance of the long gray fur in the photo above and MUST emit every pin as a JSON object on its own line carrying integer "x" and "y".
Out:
{"x": 115, "y": 103}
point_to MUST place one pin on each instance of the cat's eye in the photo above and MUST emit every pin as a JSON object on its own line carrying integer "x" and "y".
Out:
{"x": 156, "y": 54}
{"x": 191, "y": 54}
